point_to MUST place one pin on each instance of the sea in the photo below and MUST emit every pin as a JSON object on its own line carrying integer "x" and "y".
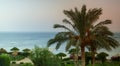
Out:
{"x": 29, "y": 40}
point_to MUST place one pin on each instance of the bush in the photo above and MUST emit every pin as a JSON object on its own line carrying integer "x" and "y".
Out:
{"x": 43, "y": 57}
{"x": 25, "y": 54}
{"x": 21, "y": 62}
{"x": 27, "y": 64}
{"x": 4, "y": 60}
{"x": 16, "y": 58}
{"x": 13, "y": 62}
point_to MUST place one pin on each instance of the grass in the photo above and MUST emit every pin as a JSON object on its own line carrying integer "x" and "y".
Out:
{"x": 107, "y": 64}
{"x": 25, "y": 64}
{"x": 97, "y": 64}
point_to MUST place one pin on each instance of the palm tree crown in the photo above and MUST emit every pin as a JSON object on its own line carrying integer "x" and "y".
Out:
{"x": 84, "y": 31}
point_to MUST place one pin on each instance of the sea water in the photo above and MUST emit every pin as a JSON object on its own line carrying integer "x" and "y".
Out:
{"x": 24, "y": 40}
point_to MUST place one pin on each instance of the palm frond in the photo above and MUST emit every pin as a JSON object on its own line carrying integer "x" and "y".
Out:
{"x": 58, "y": 45}
{"x": 103, "y": 23}
{"x": 72, "y": 25}
{"x": 71, "y": 42}
{"x": 102, "y": 30}
{"x": 112, "y": 42}
{"x": 102, "y": 43}
{"x": 62, "y": 26}
{"x": 75, "y": 18}
{"x": 59, "y": 39}
{"x": 93, "y": 14}
{"x": 50, "y": 42}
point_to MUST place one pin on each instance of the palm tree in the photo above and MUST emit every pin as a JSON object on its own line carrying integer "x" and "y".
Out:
{"x": 74, "y": 55}
{"x": 61, "y": 55}
{"x": 26, "y": 50}
{"x": 15, "y": 51}
{"x": 81, "y": 22}
{"x": 84, "y": 31}
{"x": 68, "y": 36}
{"x": 2, "y": 50}
{"x": 101, "y": 37}
{"x": 102, "y": 56}
{"x": 88, "y": 57}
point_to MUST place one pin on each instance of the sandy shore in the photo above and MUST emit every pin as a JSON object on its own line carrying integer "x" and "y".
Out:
{"x": 25, "y": 60}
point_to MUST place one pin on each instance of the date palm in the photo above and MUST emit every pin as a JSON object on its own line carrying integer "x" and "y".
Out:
{"x": 84, "y": 32}
{"x": 101, "y": 38}
{"x": 81, "y": 22}
{"x": 70, "y": 37}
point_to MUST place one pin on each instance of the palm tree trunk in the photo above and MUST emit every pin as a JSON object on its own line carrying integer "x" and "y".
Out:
{"x": 93, "y": 58}
{"x": 76, "y": 59}
{"x": 83, "y": 55}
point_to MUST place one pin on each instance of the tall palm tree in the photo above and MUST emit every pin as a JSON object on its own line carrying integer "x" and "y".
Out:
{"x": 70, "y": 37}
{"x": 81, "y": 22}
{"x": 84, "y": 32}
{"x": 101, "y": 37}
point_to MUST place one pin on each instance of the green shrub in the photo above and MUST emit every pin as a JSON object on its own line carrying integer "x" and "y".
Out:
{"x": 4, "y": 60}
{"x": 13, "y": 62}
{"x": 27, "y": 64}
{"x": 16, "y": 58}
{"x": 43, "y": 57}
{"x": 21, "y": 62}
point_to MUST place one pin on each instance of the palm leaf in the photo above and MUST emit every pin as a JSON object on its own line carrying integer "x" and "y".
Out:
{"x": 103, "y": 23}
{"x": 71, "y": 42}
{"x": 62, "y": 26}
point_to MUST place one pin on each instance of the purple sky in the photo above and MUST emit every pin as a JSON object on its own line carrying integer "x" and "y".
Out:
{"x": 41, "y": 15}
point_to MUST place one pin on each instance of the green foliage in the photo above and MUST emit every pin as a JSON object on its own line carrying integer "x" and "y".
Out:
{"x": 66, "y": 59}
{"x": 27, "y": 64}
{"x": 106, "y": 64}
{"x": 61, "y": 55}
{"x": 69, "y": 63}
{"x": 59, "y": 39}
{"x": 21, "y": 62}
{"x": 16, "y": 58}
{"x": 73, "y": 51}
{"x": 26, "y": 50}
{"x": 4, "y": 60}
{"x": 2, "y": 50}
{"x": 13, "y": 62}
{"x": 25, "y": 54}
{"x": 102, "y": 56}
{"x": 14, "y": 49}
{"x": 84, "y": 32}
{"x": 88, "y": 57}
{"x": 43, "y": 57}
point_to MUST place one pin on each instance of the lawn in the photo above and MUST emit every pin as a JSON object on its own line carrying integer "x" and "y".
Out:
{"x": 100, "y": 64}
{"x": 107, "y": 64}
{"x": 97, "y": 64}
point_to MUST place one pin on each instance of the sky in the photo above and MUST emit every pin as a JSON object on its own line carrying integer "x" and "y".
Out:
{"x": 41, "y": 15}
